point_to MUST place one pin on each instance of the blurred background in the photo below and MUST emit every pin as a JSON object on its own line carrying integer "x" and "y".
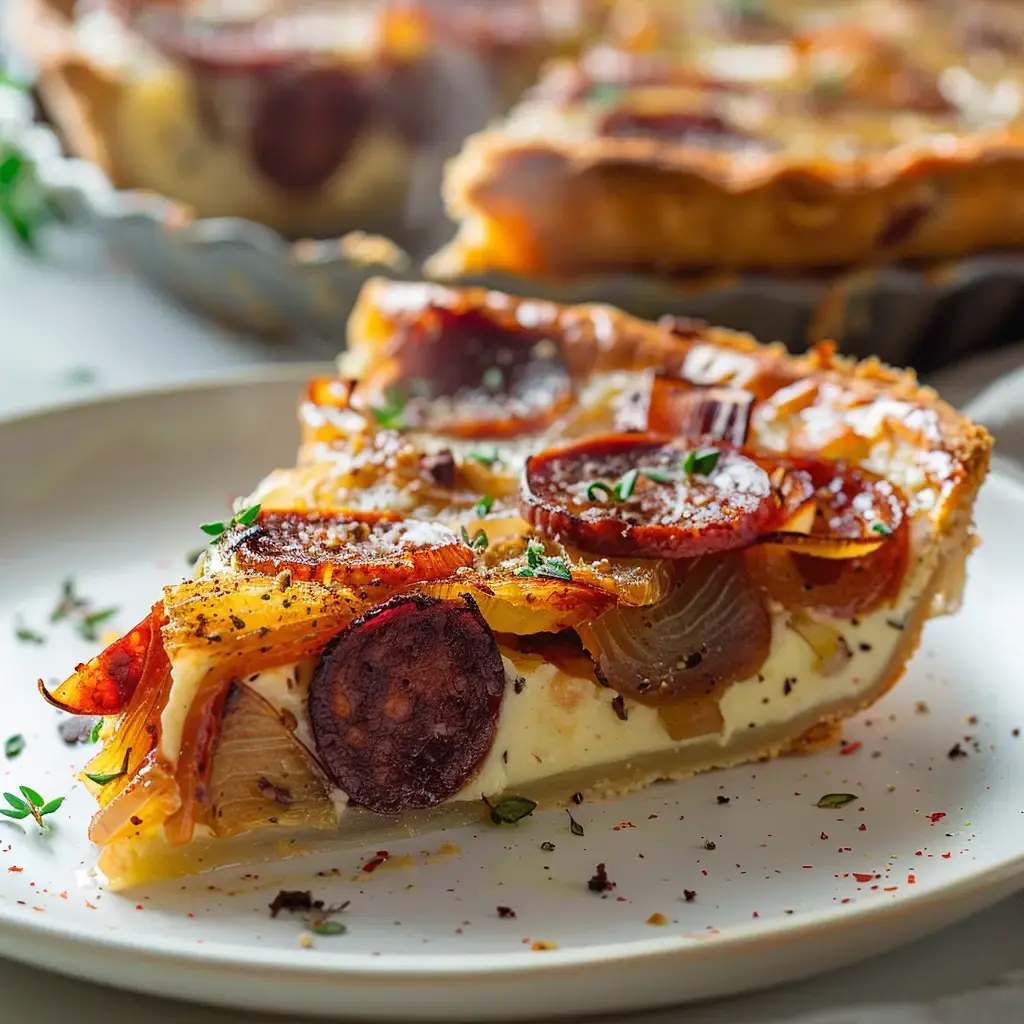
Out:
{"x": 189, "y": 186}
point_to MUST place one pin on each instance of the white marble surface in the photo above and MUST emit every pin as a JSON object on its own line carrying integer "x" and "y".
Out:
{"x": 72, "y": 327}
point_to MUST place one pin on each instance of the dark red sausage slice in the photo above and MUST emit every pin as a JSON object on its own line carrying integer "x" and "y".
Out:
{"x": 671, "y": 510}
{"x": 459, "y": 372}
{"x": 354, "y": 549}
{"x": 404, "y": 703}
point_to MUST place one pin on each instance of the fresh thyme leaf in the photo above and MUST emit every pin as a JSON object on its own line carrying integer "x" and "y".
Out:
{"x": 328, "y": 928}
{"x": 624, "y": 488}
{"x": 509, "y": 809}
{"x": 598, "y": 491}
{"x": 95, "y": 734}
{"x": 14, "y": 745}
{"x": 701, "y": 461}
{"x": 103, "y": 778}
{"x": 69, "y": 602}
{"x": 485, "y": 457}
{"x": 213, "y": 529}
{"x": 36, "y": 806}
{"x": 525, "y": 571}
{"x": 830, "y": 800}
{"x": 17, "y": 803}
{"x": 659, "y": 476}
{"x": 391, "y": 415}
{"x": 88, "y": 623}
{"x": 24, "y": 203}
{"x": 32, "y": 796}
{"x": 554, "y": 568}
{"x": 483, "y": 506}
{"x": 574, "y": 826}
{"x": 247, "y": 516}
{"x": 479, "y": 541}
{"x": 29, "y": 636}
{"x": 534, "y": 553}
{"x": 881, "y": 528}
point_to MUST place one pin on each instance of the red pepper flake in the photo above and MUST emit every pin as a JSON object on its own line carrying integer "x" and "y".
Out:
{"x": 851, "y": 748}
{"x": 846, "y": 899}
{"x": 808, "y": 867}
{"x": 755, "y": 914}
{"x": 946, "y": 856}
{"x": 91, "y": 906}
{"x": 375, "y": 862}
{"x": 703, "y": 871}
{"x": 63, "y": 895}
{"x": 891, "y": 888}
{"x": 191, "y": 915}
{"x": 862, "y": 828}
{"x": 14, "y": 867}
{"x": 689, "y": 895}
{"x": 863, "y": 878}
{"x": 139, "y": 906}
{"x": 911, "y": 879}
{"x": 919, "y": 853}
{"x": 621, "y": 899}
{"x": 539, "y": 946}
{"x": 622, "y": 825}
{"x": 936, "y": 816}
{"x": 506, "y": 912}
{"x": 40, "y": 909}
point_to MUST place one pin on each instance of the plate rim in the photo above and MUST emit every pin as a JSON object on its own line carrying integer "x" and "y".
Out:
{"x": 218, "y": 955}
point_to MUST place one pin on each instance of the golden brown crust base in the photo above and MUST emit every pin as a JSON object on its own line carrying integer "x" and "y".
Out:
{"x": 553, "y": 209}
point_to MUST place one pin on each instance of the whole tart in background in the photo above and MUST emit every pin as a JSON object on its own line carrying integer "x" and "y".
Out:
{"x": 790, "y": 137}
{"x": 314, "y": 119}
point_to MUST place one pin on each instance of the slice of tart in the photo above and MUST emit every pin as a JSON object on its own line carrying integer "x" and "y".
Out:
{"x": 529, "y": 549}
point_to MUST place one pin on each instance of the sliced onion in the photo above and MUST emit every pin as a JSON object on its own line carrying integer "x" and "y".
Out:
{"x": 139, "y": 808}
{"x": 106, "y": 684}
{"x": 831, "y": 651}
{"x": 633, "y": 581}
{"x": 712, "y": 630}
{"x": 522, "y": 605}
{"x": 821, "y": 545}
{"x": 262, "y": 775}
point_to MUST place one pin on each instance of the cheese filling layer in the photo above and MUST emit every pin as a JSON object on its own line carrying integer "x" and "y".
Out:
{"x": 552, "y": 722}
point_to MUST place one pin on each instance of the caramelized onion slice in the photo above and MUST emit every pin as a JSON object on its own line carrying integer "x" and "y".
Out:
{"x": 105, "y": 685}
{"x": 348, "y": 548}
{"x": 262, "y": 776}
{"x": 459, "y": 372}
{"x": 854, "y": 555}
{"x": 712, "y": 630}
{"x": 140, "y": 807}
{"x": 672, "y": 509}
{"x": 632, "y": 581}
{"x": 518, "y": 604}
{"x": 699, "y": 414}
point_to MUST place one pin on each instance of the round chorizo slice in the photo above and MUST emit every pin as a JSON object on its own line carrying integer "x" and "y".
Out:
{"x": 353, "y": 549}
{"x": 404, "y": 702}
{"x": 462, "y": 373}
{"x": 647, "y": 496}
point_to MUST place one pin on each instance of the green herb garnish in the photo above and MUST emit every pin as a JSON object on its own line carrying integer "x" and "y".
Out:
{"x": 95, "y": 734}
{"x": 621, "y": 491}
{"x": 244, "y": 518}
{"x": 69, "y": 602}
{"x": 391, "y": 415}
{"x": 599, "y": 491}
{"x": 328, "y": 928}
{"x": 539, "y": 564}
{"x": 660, "y": 476}
{"x": 831, "y": 800}
{"x": 882, "y": 529}
{"x": 478, "y": 542}
{"x": 14, "y": 745}
{"x": 87, "y": 624}
{"x": 33, "y": 805}
{"x": 485, "y": 457}
{"x": 104, "y": 778}
{"x": 627, "y": 482}
{"x": 701, "y": 461}
{"x": 574, "y": 826}
{"x": 29, "y": 636}
{"x": 510, "y": 809}
{"x": 24, "y": 204}
{"x": 483, "y": 506}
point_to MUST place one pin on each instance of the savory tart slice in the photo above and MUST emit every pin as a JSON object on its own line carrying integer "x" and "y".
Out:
{"x": 529, "y": 549}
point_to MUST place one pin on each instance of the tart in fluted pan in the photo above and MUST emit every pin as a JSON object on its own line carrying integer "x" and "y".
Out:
{"x": 774, "y": 136}
{"x": 531, "y": 549}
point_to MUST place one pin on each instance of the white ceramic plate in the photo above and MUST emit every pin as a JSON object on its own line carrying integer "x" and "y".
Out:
{"x": 112, "y": 494}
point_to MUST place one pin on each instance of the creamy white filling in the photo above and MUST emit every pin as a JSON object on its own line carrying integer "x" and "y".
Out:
{"x": 552, "y": 722}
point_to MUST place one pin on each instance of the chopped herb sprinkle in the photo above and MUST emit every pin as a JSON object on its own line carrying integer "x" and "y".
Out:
{"x": 14, "y": 745}
{"x": 483, "y": 506}
{"x": 508, "y": 810}
{"x": 701, "y": 461}
{"x": 574, "y": 826}
{"x": 105, "y": 778}
{"x": 834, "y": 800}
